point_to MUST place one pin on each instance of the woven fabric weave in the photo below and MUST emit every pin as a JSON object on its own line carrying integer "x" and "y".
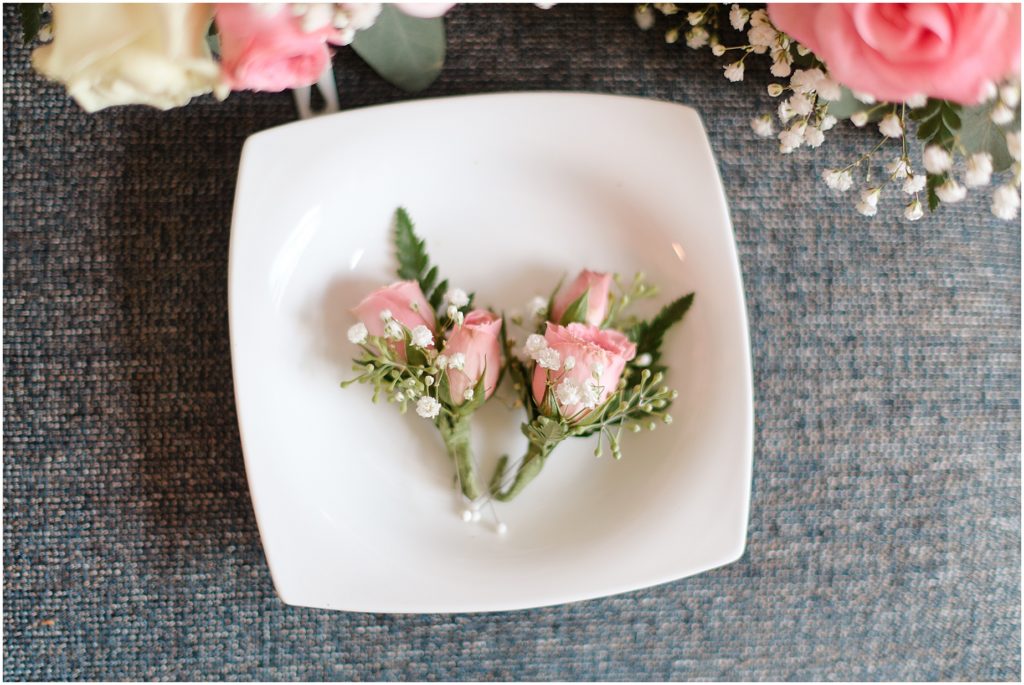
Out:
{"x": 885, "y": 522}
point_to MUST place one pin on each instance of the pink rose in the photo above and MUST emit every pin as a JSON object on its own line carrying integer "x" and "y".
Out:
{"x": 597, "y": 301}
{"x": 269, "y": 51}
{"x": 895, "y": 51}
{"x": 405, "y": 303}
{"x": 478, "y": 343}
{"x": 589, "y": 364}
{"x": 425, "y": 10}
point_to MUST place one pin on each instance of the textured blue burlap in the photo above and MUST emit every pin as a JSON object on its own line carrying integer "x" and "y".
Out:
{"x": 885, "y": 522}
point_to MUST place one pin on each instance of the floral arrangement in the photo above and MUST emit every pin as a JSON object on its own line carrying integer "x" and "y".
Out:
{"x": 163, "y": 55}
{"x": 587, "y": 367}
{"x": 947, "y": 74}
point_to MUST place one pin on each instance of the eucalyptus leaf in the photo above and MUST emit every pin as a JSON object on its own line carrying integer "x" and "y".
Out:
{"x": 404, "y": 50}
{"x": 980, "y": 134}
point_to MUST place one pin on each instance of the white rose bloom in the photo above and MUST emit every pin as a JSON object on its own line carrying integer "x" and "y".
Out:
{"x": 123, "y": 54}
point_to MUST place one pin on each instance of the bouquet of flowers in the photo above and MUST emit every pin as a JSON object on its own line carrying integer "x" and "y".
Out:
{"x": 950, "y": 71}
{"x": 587, "y": 366}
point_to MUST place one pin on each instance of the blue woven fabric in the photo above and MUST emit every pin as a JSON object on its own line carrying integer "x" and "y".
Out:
{"x": 885, "y": 523}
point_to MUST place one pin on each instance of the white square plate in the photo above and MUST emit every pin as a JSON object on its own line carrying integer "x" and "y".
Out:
{"x": 354, "y": 501}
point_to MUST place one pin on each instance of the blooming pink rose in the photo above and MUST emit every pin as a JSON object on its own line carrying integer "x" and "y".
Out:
{"x": 597, "y": 302}
{"x": 477, "y": 340}
{"x": 268, "y": 50}
{"x": 406, "y": 303}
{"x": 425, "y": 10}
{"x": 895, "y": 51}
{"x": 590, "y": 364}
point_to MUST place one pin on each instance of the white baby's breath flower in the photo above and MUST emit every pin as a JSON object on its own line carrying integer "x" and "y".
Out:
{"x": 801, "y": 104}
{"x": 591, "y": 393}
{"x": 1001, "y": 114}
{"x": 785, "y": 111}
{"x": 399, "y": 396}
{"x": 534, "y": 344}
{"x": 738, "y": 17}
{"x": 775, "y": 89}
{"x": 316, "y": 16}
{"x": 549, "y": 359}
{"x": 762, "y": 126}
{"x": 979, "y": 169}
{"x": 458, "y": 297}
{"x": 644, "y": 17}
{"x": 858, "y": 119}
{"x": 869, "y": 196}
{"x": 867, "y": 209}
{"x": 694, "y": 18}
{"x": 790, "y": 139}
{"x": 806, "y": 80}
{"x": 666, "y": 8}
{"x": 913, "y": 211}
{"x": 759, "y": 18}
{"x": 468, "y": 395}
{"x": 917, "y": 100}
{"x": 1010, "y": 94}
{"x": 734, "y": 71}
{"x": 898, "y": 168}
{"x": 950, "y": 191}
{"x": 569, "y": 364}
{"x": 441, "y": 362}
{"x": 1013, "y": 144}
{"x": 1005, "y": 202}
{"x": 762, "y": 37}
{"x": 990, "y": 91}
{"x": 457, "y": 361}
{"x": 914, "y": 184}
{"x": 717, "y": 49}
{"x": 828, "y": 122}
{"x": 568, "y": 393}
{"x": 782, "y": 62}
{"x": 936, "y": 160}
{"x": 829, "y": 89}
{"x": 537, "y": 306}
{"x": 421, "y": 336}
{"x": 393, "y": 330}
{"x": 813, "y": 136}
{"x": 643, "y": 360}
{"x": 672, "y": 36}
{"x": 838, "y": 180}
{"x": 357, "y": 333}
{"x": 891, "y": 126}
{"x": 455, "y": 315}
{"x": 866, "y": 98}
{"x": 428, "y": 407}
{"x": 385, "y": 314}
{"x": 696, "y": 37}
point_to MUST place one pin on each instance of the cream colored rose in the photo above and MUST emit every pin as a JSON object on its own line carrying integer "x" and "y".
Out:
{"x": 121, "y": 54}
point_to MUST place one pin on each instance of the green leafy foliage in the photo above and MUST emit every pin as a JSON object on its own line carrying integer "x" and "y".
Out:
{"x": 577, "y": 311}
{"x": 31, "y": 20}
{"x": 979, "y": 133}
{"x": 934, "y": 181}
{"x": 937, "y": 122}
{"x": 404, "y": 50}
{"x": 649, "y": 335}
{"x": 413, "y": 261}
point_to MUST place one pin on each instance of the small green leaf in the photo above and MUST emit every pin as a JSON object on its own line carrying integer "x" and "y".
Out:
{"x": 404, "y": 50}
{"x": 934, "y": 181}
{"x": 649, "y": 335}
{"x": 980, "y": 134}
{"x": 577, "y": 311}
{"x": 31, "y": 20}
{"x": 438, "y": 295}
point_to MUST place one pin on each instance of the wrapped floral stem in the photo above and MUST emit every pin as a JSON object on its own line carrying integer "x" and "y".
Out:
{"x": 456, "y": 435}
{"x": 583, "y": 377}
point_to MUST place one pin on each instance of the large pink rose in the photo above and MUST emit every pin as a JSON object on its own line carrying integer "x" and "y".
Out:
{"x": 597, "y": 284}
{"x": 478, "y": 342}
{"x": 269, "y": 50}
{"x": 895, "y": 51}
{"x": 590, "y": 362}
{"x": 406, "y": 303}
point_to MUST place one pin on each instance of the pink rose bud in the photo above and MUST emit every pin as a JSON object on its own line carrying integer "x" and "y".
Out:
{"x": 268, "y": 50}
{"x": 597, "y": 284}
{"x": 582, "y": 365}
{"x": 476, "y": 347}
{"x": 402, "y": 301}
{"x": 897, "y": 52}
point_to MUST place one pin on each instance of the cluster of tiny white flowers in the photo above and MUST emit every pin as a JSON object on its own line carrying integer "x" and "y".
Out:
{"x": 457, "y": 361}
{"x": 393, "y": 330}
{"x": 455, "y": 315}
{"x": 427, "y": 407}
{"x": 422, "y": 337}
{"x": 458, "y": 297}
{"x": 357, "y": 333}
{"x": 537, "y": 349}
{"x": 345, "y": 18}
{"x": 468, "y": 395}
{"x": 537, "y": 307}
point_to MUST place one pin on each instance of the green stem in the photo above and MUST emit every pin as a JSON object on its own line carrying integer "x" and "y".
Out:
{"x": 533, "y": 462}
{"x": 455, "y": 432}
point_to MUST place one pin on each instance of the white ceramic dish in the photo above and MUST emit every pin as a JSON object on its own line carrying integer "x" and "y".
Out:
{"x": 354, "y": 502}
